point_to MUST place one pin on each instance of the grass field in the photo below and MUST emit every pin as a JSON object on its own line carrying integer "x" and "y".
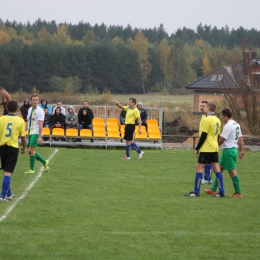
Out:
{"x": 93, "y": 205}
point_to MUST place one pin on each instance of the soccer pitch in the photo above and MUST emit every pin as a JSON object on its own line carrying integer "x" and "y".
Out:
{"x": 93, "y": 205}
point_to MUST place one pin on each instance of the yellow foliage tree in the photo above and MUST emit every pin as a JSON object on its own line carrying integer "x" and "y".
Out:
{"x": 62, "y": 35}
{"x": 4, "y": 37}
{"x": 89, "y": 38}
{"x": 43, "y": 35}
{"x": 28, "y": 37}
{"x": 206, "y": 65}
{"x": 140, "y": 45}
{"x": 164, "y": 53}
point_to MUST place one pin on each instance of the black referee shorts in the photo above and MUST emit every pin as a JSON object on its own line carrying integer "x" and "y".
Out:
{"x": 129, "y": 132}
{"x": 9, "y": 156}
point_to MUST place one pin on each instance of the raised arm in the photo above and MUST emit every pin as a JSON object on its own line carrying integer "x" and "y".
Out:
{"x": 118, "y": 104}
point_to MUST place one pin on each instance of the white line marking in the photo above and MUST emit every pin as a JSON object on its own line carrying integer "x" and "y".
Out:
{"x": 9, "y": 210}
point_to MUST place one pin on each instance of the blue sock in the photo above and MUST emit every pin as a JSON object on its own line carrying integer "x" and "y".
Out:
{"x": 135, "y": 146}
{"x": 197, "y": 182}
{"x": 9, "y": 192}
{"x": 128, "y": 147}
{"x": 219, "y": 177}
{"x": 207, "y": 175}
{"x": 5, "y": 185}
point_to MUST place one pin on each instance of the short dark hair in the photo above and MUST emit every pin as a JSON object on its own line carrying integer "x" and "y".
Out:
{"x": 227, "y": 112}
{"x": 34, "y": 95}
{"x": 212, "y": 107}
{"x": 205, "y": 102}
{"x": 133, "y": 100}
{"x": 12, "y": 106}
{"x": 45, "y": 107}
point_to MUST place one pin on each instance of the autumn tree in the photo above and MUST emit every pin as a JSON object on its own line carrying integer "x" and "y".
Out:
{"x": 164, "y": 53}
{"x": 140, "y": 45}
{"x": 62, "y": 35}
{"x": 43, "y": 35}
{"x": 89, "y": 38}
{"x": 206, "y": 65}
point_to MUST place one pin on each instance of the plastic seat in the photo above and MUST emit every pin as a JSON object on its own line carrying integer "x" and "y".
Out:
{"x": 57, "y": 132}
{"x": 85, "y": 133}
{"x": 98, "y": 121}
{"x": 153, "y": 128}
{"x": 113, "y": 134}
{"x": 122, "y": 129}
{"x": 71, "y": 132}
{"x": 112, "y": 121}
{"x": 112, "y": 127}
{"x": 155, "y": 136}
{"x": 99, "y": 133}
{"x": 46, "y": 132}
{"x": 143, "y": 128}
{"x": 98, "y": 127}
{"x": 152, "y": 122}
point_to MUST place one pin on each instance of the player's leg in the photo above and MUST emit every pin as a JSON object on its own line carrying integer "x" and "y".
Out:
{"x": 129, "y": 132}
{"x": 231, "y": 156}
{"x": 219, "y": 176}
{"x": 198, "y": 176}
{"x": 9, "y": 157}
{"x": 32, "y": 144}
{"x": 207, "y": 174}
{"x": 136, "y": 147}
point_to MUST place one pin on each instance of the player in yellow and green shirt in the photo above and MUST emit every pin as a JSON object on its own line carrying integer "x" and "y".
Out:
{"x": 11, "y": 127}
{"x": 132, "y": 114}
{"x": 207, "y": 151}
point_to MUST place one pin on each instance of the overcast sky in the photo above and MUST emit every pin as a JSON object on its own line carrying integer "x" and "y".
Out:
{"x": 173, "y": 14}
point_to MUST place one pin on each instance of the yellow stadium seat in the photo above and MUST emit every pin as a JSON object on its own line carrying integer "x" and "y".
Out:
{"x": 113, "y": 134}
{"x": 98, "y": 127}
{"x": 143, "y": 128}
{"x": 111, "y": 121}
{"x": 98, "y": 121}
{"x": 155, "y": 136}
{"x": 122, "y": 129}
{"x": 46, "y": 132}
{"x": 112, "y": 127}
{"x": 152, "y": 122}
{"x": 153, "y": 128}
{"x": 57, "y": 132}
{"x": 85, "y": 133}
{"x": 72, "y": 133}
{"x": 99, "y": 133}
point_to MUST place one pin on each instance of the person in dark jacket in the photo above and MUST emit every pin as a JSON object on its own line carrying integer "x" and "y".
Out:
{"x": 47, "y": 118}
{"x": 57, "y": 120}
{"x": 143, "y": 114}
{"x": 85, "y": 121}
{"x": 85, "y": 105}
{"x": 24, "y": 109}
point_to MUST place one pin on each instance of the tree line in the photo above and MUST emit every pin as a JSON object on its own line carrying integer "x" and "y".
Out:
{"x": 84, "y": 58}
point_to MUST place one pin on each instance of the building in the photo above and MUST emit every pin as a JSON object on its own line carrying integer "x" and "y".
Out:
{"x": 226, "y": 80}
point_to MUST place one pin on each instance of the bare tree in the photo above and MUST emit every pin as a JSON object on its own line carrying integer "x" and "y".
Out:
{"x": 241, "y": 89}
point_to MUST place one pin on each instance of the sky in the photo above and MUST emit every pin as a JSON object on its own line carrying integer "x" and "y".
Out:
{"x": 173, "y": 14}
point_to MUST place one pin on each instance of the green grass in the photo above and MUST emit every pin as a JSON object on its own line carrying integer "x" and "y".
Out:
{"x": 148, "y": 99}
{"x": 93, "y": 205}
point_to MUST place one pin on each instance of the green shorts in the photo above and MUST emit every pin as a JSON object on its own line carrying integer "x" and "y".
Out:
{"x": 33, "y": 140}
{"x": 228, "y": 159}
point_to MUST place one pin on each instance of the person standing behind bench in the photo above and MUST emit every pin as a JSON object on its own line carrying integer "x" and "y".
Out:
{"x": 132, "y": 114}
{"x": 11, "y": 127}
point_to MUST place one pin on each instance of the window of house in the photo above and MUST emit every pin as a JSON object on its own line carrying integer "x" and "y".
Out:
{"x": 216, "y": 77}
